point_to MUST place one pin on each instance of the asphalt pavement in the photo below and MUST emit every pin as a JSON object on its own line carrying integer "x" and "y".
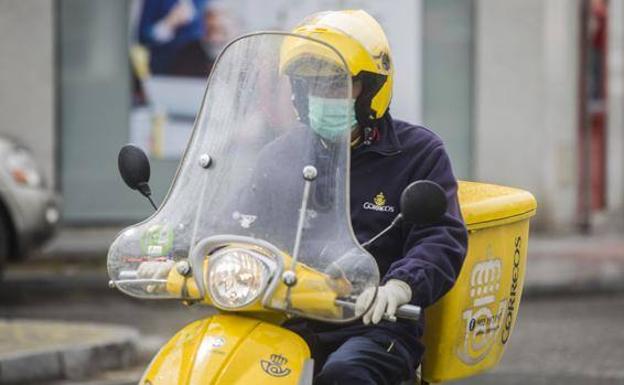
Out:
{"x": 574, "y": 339}
{"x": 564, "y": 340}
{"x": 40, "y": 350}
{"x": 568, "y": 330}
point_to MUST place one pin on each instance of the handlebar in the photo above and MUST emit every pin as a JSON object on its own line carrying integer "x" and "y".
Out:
{"x": 411, "y": 312}
{"x": 408, "y": 312}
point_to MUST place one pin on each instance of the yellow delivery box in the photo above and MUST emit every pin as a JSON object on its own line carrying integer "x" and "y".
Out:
{"x": 468, "y": 329}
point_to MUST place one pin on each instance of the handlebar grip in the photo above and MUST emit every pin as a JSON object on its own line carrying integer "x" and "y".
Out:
{"x": 411, "y": 312}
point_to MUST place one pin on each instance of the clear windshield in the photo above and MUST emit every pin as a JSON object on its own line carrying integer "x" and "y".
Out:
{"x": 243, "y": 174}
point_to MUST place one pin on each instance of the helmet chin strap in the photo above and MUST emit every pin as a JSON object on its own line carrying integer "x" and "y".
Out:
{"x": 356, "y": 136}
{"x": 364, "y": 135}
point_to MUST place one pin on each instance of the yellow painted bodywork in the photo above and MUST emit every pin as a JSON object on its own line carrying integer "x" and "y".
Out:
{"x": 229, "y": 349}
{"x": 468, "y": 329}
{"x": 183, "y": 287}
{"x": 315, "y": 292}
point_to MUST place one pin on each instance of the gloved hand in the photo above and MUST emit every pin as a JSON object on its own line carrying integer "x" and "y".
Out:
{"x": 389, "y": 297}
{"x": 154, "y": 269}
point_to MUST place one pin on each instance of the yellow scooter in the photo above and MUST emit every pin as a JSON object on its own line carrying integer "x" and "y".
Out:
{"x": 257, "y": 225}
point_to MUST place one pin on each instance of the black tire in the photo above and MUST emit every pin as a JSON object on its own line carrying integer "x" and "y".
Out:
{"x": 5, "y": 242}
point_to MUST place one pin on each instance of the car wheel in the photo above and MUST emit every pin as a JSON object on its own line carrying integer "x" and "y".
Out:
{"x": 5, "y": 241}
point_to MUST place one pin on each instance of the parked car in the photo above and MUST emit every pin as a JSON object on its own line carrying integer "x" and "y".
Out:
{"x": 29, "y": 209}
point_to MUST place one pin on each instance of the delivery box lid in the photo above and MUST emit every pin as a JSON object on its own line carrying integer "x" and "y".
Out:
{"x": 485, "y": 205}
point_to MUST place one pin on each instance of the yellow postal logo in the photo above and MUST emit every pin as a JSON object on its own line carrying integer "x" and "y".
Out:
{"x": 482, "y": 319}
{"x": 378, "y": 204}
{"x": 380, "y": 199}
{"x": 276, "y": 367}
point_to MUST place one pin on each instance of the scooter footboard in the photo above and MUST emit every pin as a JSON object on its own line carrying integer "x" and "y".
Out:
{"x": 230, "y": 349}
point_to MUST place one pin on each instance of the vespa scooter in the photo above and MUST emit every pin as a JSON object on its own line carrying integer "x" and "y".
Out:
{"x": 257, "y": 225}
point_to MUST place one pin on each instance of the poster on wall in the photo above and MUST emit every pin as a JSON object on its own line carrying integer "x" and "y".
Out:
{"x": 174, "y": 43}
{"x": 172, "y": 47}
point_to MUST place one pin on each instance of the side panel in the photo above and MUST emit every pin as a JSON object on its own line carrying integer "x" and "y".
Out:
{"x": 468, "y": 329}
{"x": 229, "y": 349}
{"x": 269, "y": 355}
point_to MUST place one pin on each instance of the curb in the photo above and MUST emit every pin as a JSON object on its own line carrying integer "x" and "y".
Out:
{"x": 111, "y": 347}
{"x": 16, "y": 285}
{"x": 561, "y": 275}
{"x": 572, "y": 289}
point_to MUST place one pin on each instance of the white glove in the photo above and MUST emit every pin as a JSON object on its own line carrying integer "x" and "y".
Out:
{"x": 389, "y": 297}
{"x": 154, "y": 269}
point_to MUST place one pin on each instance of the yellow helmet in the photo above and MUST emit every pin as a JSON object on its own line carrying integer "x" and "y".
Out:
{"x": 362, "y": 43}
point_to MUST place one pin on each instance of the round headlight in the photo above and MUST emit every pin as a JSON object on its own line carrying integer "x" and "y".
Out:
{"x": 236, "y": 277}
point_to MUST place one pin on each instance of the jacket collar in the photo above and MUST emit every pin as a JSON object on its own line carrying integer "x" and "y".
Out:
{"x": 381, "y": 140}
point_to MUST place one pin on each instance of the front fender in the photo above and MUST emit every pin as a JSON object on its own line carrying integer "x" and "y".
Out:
{"x": 230, "y": 349}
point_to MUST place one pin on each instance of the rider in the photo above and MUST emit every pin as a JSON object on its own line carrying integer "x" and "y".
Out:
{"x": 418, "y": 264}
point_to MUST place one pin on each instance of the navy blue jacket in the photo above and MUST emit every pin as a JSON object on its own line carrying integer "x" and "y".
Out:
{"x": 428, "y": 258}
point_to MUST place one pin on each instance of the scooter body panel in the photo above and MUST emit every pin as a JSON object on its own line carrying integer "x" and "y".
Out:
{"x": 229, "y": 349}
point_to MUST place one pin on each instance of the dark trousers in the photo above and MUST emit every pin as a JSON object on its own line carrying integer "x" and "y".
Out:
{"x": 358, "y": 354}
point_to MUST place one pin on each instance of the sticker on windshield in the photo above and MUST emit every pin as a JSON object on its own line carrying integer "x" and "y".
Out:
{"x": 157, "y": 240}
{"x": 245, "y": 220}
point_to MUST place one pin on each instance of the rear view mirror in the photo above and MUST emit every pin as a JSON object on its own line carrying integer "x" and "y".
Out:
{"x": 134, "y": 168}
{"x": 423, "y": 202}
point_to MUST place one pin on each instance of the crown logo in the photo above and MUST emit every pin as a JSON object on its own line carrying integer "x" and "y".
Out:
{"x": 380, "y": 199}
{"x": 276, "y": 366}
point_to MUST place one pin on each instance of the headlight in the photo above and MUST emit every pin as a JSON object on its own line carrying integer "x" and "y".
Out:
{"x": 236, "y": 277}
{"x": 23, "y": 169}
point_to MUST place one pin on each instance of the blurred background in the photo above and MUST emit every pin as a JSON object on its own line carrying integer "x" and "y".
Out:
{"x": 525, "y": 93}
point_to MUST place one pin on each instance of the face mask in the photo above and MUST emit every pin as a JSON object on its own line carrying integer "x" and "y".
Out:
{"x": 330, "y": 118}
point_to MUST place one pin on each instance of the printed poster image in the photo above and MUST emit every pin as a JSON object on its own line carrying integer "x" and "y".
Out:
{"x": 172, "y": 48}
{"x": 173, "y": 45}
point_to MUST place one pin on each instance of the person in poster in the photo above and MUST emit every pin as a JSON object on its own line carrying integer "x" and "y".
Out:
{"x": 172, "y": 31}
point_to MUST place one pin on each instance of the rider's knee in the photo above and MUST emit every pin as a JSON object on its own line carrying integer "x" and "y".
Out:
{"x": 341, "y": 372}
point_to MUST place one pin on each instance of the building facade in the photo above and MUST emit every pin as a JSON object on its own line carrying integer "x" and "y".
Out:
{"x": 516, "y": 89}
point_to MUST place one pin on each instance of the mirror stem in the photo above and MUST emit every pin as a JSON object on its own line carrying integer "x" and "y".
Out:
{"x": 152, "y": 202}
{"x": 145, "y": 190}
{"x": 397, "y": 221}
